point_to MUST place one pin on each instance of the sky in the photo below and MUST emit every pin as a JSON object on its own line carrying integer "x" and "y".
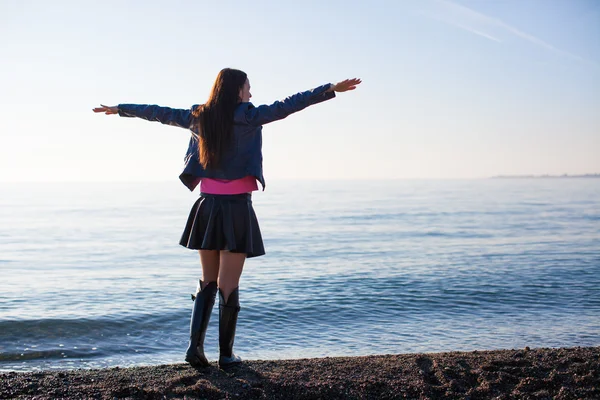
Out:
{"x": 451, "y": 89}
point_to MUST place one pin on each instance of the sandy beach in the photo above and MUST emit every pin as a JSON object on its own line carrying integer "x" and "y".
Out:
{"x": 563, "y": 373}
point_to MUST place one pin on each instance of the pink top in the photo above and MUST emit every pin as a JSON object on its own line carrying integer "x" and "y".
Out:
{"x": 246, "y": 184}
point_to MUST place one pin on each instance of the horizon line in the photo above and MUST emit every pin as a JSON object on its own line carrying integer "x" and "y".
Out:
{"x": 519, "y": 176}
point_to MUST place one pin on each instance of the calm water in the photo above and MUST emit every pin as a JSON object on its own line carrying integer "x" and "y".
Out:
{"x": 92, "y": 275}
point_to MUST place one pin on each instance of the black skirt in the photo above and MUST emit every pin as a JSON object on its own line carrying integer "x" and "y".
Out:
{"x": 223, "y": 222}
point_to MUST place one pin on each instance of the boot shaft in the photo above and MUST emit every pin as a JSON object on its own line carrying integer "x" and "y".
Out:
{"x": 228, "y": 314}
{"x": 204, "y": 300}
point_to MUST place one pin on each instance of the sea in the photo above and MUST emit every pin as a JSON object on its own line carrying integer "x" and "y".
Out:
{"x": 92, "y": 275}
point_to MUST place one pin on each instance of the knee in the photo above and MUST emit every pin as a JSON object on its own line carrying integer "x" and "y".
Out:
{"x": 227, "y": 283}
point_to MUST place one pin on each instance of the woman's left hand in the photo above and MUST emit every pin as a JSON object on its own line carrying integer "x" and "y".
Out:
{"x": 344, "y": 86}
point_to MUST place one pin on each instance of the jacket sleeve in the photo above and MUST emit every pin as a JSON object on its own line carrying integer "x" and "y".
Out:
{"x": 280, "y": 109}
{"x": 169, "y": 116}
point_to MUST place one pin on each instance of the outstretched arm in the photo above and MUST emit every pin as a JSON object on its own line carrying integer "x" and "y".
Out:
{"x": 280, "y": 109}
{"x": 169, "y": 116}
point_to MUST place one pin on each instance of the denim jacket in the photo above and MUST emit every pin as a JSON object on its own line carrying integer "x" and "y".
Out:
{"x": 244, "y": 156}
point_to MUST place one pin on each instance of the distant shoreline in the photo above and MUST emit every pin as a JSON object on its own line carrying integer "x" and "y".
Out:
{"x": 545, "y": 176}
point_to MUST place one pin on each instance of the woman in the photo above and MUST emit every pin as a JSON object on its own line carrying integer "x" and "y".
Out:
{"x": 224, "y": 156}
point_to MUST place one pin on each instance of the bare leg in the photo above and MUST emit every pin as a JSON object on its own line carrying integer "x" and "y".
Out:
{"x": 209, "y": 259}
{"x": 230, "y": 270}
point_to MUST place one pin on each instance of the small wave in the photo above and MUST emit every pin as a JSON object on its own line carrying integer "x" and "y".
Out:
{"x": 106, "y": 326}
{"x": 53, "y": 354}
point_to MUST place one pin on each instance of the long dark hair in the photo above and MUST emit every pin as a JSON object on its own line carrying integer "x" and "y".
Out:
{"x": 214, "y": 119}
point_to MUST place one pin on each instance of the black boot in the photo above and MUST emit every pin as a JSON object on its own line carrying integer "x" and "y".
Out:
{"x": 228, "y": 313}
{"x": 203, "y": 305}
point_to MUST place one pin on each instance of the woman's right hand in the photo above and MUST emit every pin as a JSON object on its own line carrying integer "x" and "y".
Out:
{"x": 348, "y": 84}
{"x": 106, "y": 109}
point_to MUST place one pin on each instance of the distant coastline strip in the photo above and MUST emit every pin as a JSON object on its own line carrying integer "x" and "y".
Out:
{"x": 545, "y": 176}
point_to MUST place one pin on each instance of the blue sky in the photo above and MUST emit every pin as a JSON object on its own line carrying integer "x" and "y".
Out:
{"x": 451, "y": 89}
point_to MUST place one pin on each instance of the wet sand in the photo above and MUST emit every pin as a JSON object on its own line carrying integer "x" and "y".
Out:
{"x": 565, "y": 373}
